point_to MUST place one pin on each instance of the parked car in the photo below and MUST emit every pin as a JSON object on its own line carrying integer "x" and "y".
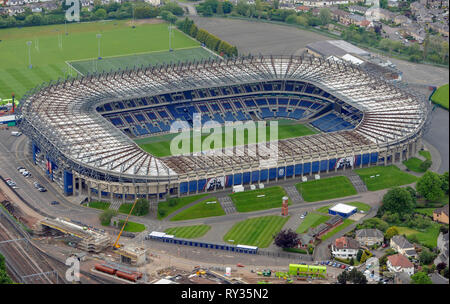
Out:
{"x": 54, "y": 203}
{"x": 20, "y": 168}
{"x": 42, "y": 189}
{"x": 384, "y": 245}
{"x": 302, "y": 216}
{"x": 343, "y": 267}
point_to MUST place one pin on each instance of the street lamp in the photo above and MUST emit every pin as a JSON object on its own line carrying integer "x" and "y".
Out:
{"x": 29, "y": 54}
{"x": 170, "y": 37}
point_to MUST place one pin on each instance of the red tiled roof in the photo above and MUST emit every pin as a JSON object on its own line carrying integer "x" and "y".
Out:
{"x": 400, "y": 260}
{"x": 345, "y": 242}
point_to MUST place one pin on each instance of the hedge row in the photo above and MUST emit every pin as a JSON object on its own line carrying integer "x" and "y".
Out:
{"x": 209, "y": 40}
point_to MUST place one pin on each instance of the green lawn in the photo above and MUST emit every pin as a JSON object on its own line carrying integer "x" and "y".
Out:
{"x": 200, "y": 210}
{"x": 248, "y": 201}
{"x": 189, "y": 232}
{"x": 99, "y": 205}
{"x": 440, "y": 96}
{"x": 160, "y": 145}
{"x": 126, "y": 207}
{"x": 132, "y": 226}
{"x": 327, "y": 235}
{"x": 428, "y": 237}
{"x": 164, "y": 208}
{"x": 327, "y": 188}
{"x": 413, "y": 164}
{"x": 258, "y": 231}
{"x": 425, "y": 154}
{"x": 425, "y": 211}
{"x": 389, "y": 176}
{"x": 359, "y": 205}
{"x": 49, "y": 56}
{"x": 311, "y": 220}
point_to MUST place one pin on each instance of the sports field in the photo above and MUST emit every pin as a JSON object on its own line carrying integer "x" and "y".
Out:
{"x": 50, "y": 49}
{"x": 160, "y": 145}
{"x": 258, "y": 231}
{"x": 377, "y": 178}
{"x": 441, "y": 96}
{"x": 188, "y": 232}
{"x": 167, "y": 207}
{"x": 259, "y": 199}
{"x": 207, "y": 208}
{"x": 327, "y": 188}
{"x": 413, "y": 164}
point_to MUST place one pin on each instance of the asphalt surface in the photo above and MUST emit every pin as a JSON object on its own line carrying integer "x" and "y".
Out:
{"x": 437, "y": 136}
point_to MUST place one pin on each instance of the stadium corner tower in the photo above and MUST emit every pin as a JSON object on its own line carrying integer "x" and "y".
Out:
{"x": 81, "y": 130}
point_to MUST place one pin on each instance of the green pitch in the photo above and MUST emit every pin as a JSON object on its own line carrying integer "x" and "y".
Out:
{"x": 441, "y": 96}
{"x": 327, "y": 188}
{"x": 200, "y": 210}
{"x": 160, "y": 145}
{"x": 312, "y": 220}
{"x": 189, "y": 232}
{"x": 258, "y": 231}
{"x": 390, "y": 176}
{"x": 51, "y": 48}
{"x": 137, "y": 60}
{"x": 259, "y": 199}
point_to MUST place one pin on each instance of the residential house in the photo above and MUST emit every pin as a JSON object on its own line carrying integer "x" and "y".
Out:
{"x": 323, "y": 3}
{"x": 339, "y": 15}
{"x": 357, "y": 9}
{"x": 402, "y": 20}
{"x": 377, "y": 14}
{"x": 400, "y": 244}
{"x": 415, "y": 31}
{"x": 441, "y": 215}
{"x": 399, "y": 263}
{"x": 154, "y": 2}
{"x": 345, "y": 248}
{"x": 356, "y": 19}
{"x": 369, "y": 237}
{"x": 14, "y": 10}
{"x": 442, "y": 245}
{"x": 302, "y": 8}
{"x": 441, "y": 28}
{"x": 15, "y": 2}
{"x": 415, "y": 7}
{"x": 392, "y": 3}
{"x": 304, "y": 240}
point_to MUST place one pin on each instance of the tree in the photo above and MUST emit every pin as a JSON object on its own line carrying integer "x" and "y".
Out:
{"x": 426, "y": 257}
{"x": 100, "y": 14}
{"x": 142, "y": 207}
{"x": 390, "y": 233}
{"x": 430, "y": 186}
{"x": 425, "y": 165}
{"x": 343, "y": 277}
{"x": 352, "y": 262}
{"x": 325, "y": 16}
{"x": 445, "y": 181}
{"x": 420, "y": 278}
{"x": 359, "y": 255}
{"x": 207, "y": 12}
{"x": 276, "y": 4}
{"x": 174, "y": 8}
{"x": 286, "y": 239}
{"x": 398, "y": 200}
{"x": 441, "y": 266}
{"x": 106, "y": 216}
{"x": 357, "y": 277}
{"x": 219, "y": 9}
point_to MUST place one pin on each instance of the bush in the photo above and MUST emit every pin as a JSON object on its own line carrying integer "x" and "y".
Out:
{"x": 425, "y": 165}
{"x": 106, "y": 216}
{"x": 430, "y": 186}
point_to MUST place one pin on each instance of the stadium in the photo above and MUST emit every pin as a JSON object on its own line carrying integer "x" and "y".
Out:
{"x": 82, "y": 130}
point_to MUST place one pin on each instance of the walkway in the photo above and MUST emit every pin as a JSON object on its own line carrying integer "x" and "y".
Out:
{"x": 293, "y": 194}
{"x": 227, "y": 204}
{"x": 356, "y": 181}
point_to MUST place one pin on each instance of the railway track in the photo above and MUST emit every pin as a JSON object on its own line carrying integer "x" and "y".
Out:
{"x": 25, "y": 263}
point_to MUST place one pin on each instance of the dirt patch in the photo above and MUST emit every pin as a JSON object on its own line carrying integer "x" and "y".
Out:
{"x": 145, "y": 21}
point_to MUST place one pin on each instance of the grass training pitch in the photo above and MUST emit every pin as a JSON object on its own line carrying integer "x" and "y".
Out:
{"x": 345, "y": 224}
{"x": 441, "y": 96}
{"x": 173, "y": 204}
{"x": 132, "y": 226}
{"x": 258, "y": 231}
{"x": 259, "y": 199}
{"x": 384, "y": 177}
{"x": 427, "y": 237}
{"x": 205, "y": 208}
{"x": 188, "y": 232}
{"x": 311, "y": 220}
{"x": 159, "y": 146}
{"x": 51, "y": 48}
{"x": 327, "y": 188}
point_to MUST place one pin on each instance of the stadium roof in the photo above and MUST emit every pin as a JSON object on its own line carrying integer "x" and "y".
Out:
{"x": 64, "y": 112}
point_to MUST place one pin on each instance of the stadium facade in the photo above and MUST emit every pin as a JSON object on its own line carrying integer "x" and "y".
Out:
{"x": 81, "y": 130}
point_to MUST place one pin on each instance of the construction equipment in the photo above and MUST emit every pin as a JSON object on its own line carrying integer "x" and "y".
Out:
{"x": 116, "y": 243}
{"x": 267, "y": 273}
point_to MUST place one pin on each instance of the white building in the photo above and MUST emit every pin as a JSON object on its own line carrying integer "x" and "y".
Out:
{"x": 400, "y": 263}
{"x": 345, "y": 248}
